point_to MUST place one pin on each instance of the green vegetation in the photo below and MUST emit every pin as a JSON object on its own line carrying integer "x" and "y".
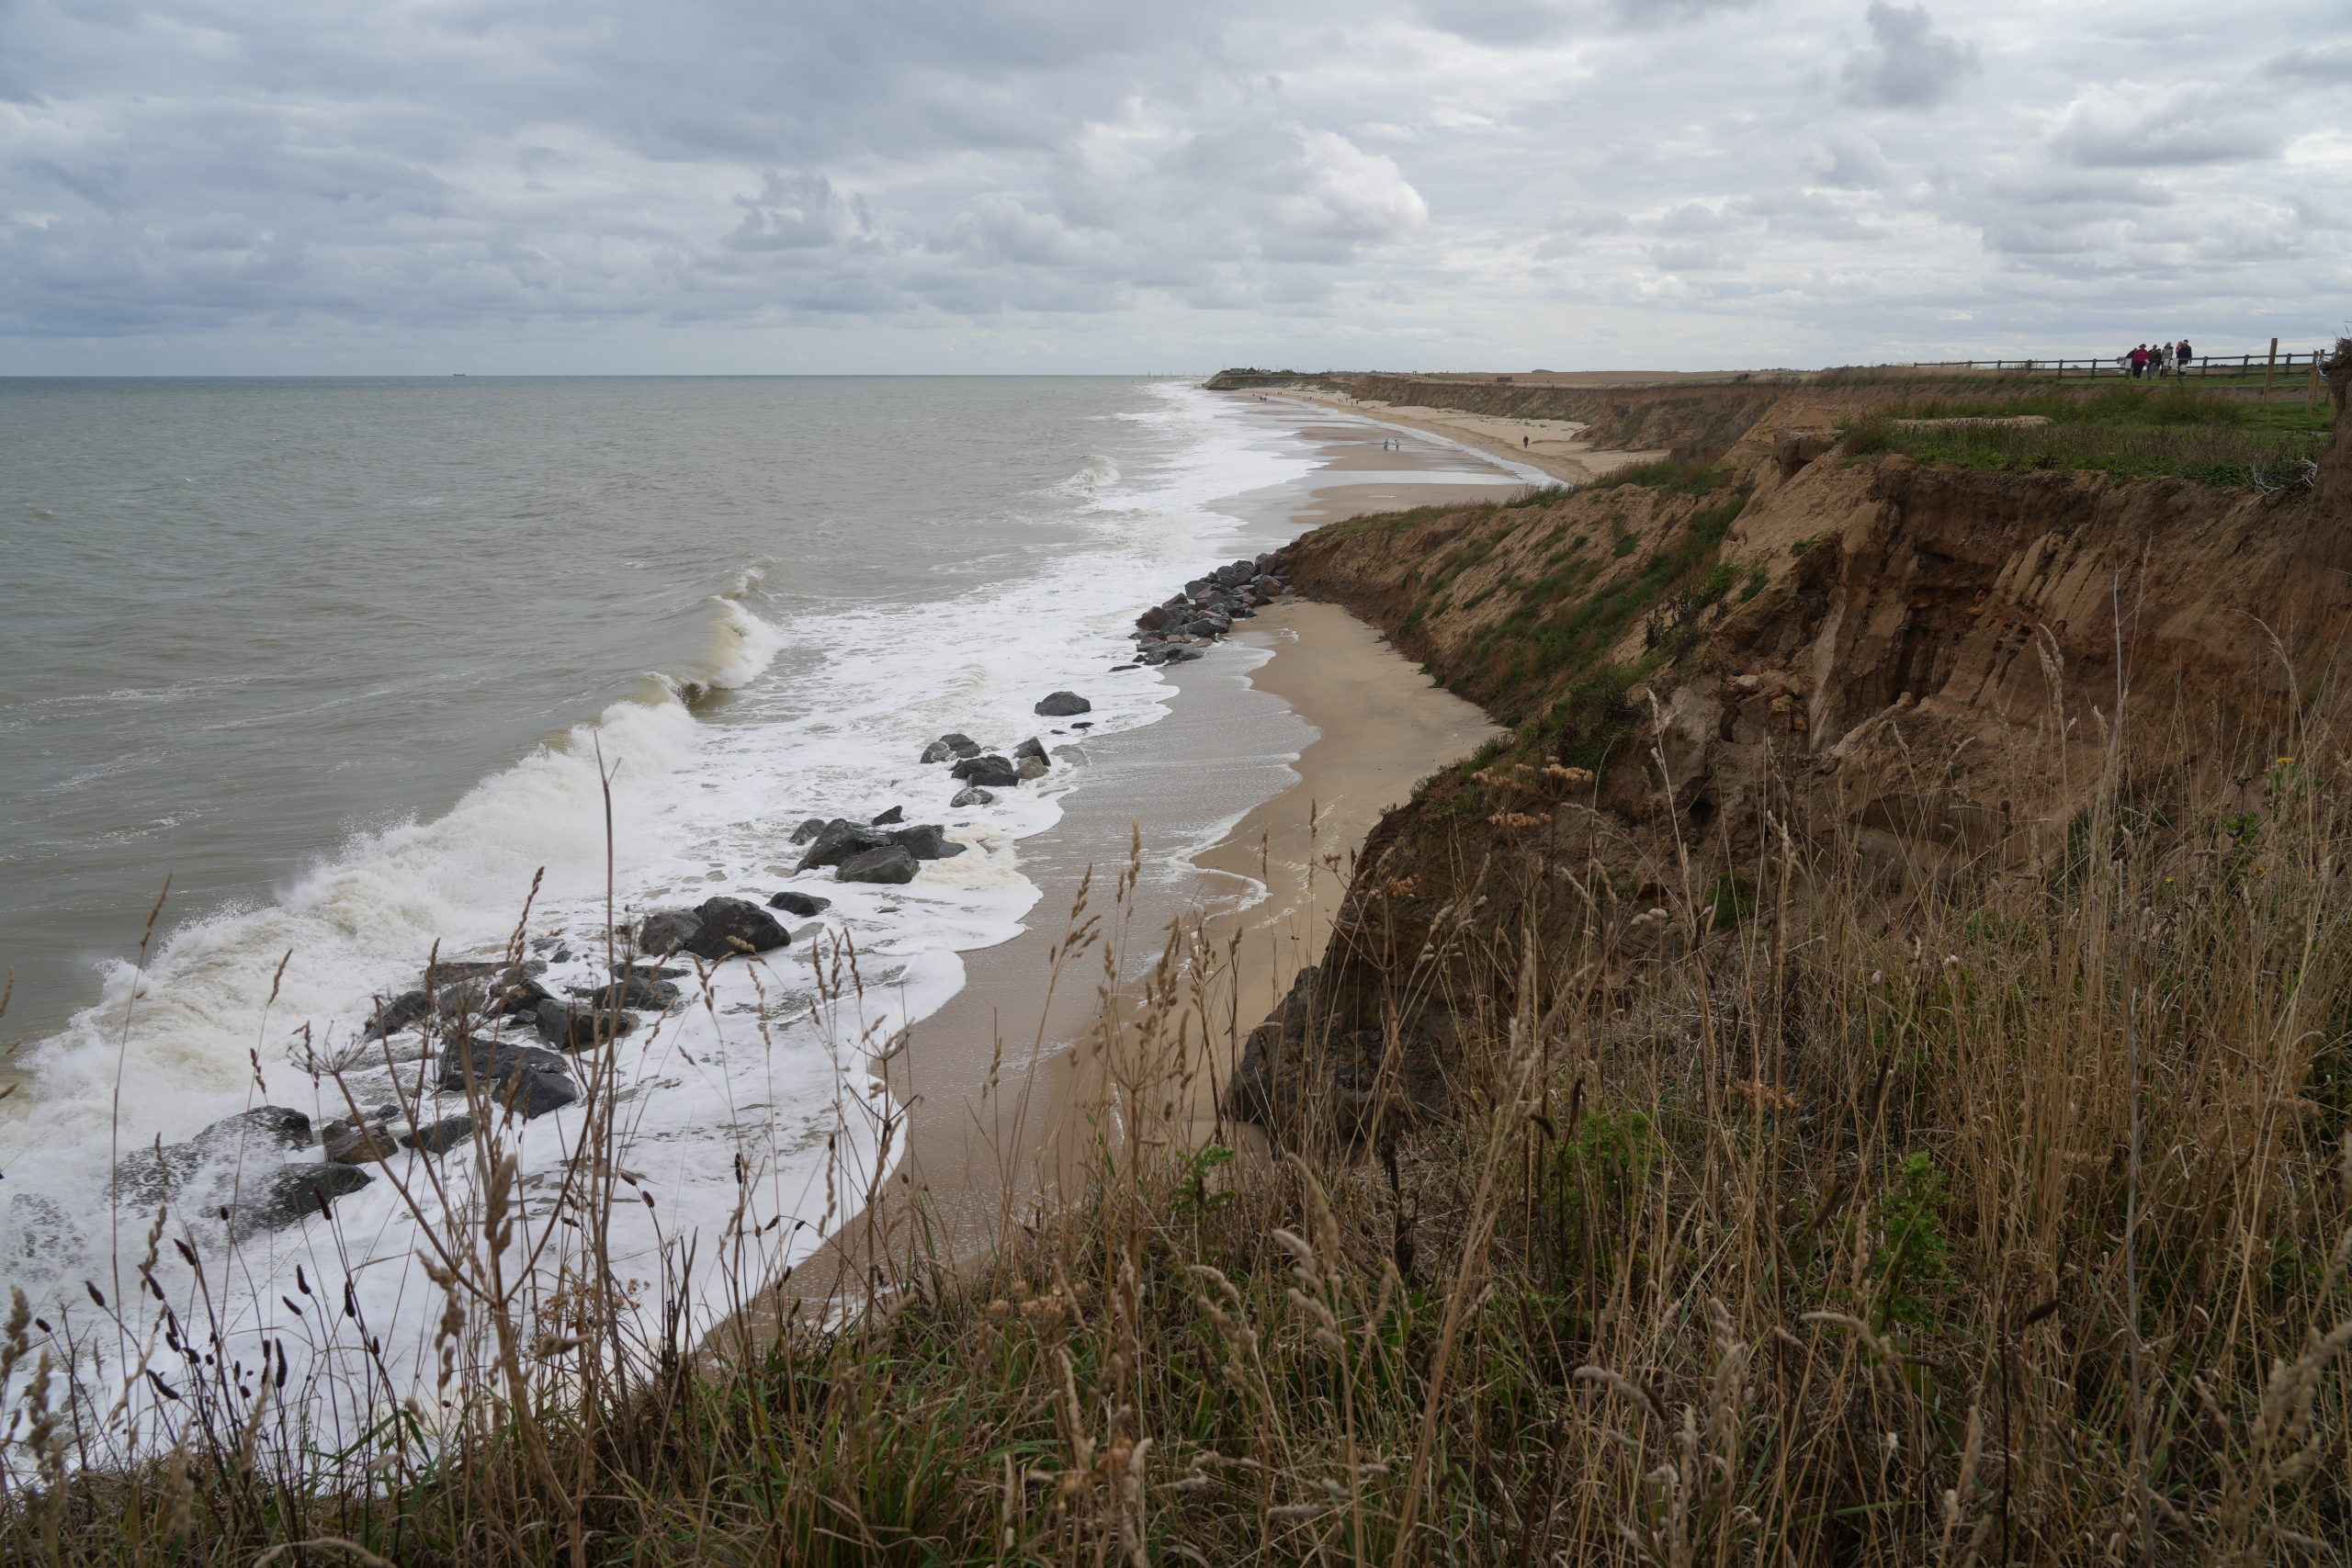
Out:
{"x": 2155, "y": 430}
{"x": 1538, "y": 495}
{"x": 1851, "y": 1241}
{"x": 1670, "y": 476}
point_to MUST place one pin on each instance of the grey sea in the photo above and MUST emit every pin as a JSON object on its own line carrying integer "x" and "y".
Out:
{"x": 361, "y": 666}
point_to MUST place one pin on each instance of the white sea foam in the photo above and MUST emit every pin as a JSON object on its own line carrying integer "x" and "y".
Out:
{"x": 753, "y": 1136}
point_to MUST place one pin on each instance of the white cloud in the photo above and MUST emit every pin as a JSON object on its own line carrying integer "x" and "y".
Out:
{"x": 1908, "y": 64}
{"x": 899, "y": 184}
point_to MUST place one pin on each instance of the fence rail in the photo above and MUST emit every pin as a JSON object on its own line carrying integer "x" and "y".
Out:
{"x": 2200, "y": 365}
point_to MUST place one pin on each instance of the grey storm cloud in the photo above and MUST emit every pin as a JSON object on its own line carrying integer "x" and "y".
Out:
{"x": 912, "y": 184}
{"x": 1908, "y": 64}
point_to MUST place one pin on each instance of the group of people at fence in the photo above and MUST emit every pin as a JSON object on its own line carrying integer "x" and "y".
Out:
{"x": 2163, "y": 359}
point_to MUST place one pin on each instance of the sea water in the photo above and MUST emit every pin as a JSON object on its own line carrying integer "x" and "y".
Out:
{"x": 358, "y": 664}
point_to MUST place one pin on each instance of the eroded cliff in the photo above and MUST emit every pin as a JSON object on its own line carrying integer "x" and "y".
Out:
{"x": 1931, "y": 670}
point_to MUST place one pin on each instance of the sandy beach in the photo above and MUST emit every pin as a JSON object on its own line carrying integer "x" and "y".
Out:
{"x": 1555, "y": 446}
{"x": 1313, "y": 726}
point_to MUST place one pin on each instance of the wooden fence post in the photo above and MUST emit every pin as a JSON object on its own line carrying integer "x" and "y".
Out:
{"x": 2310, "y": 397}
{"x": 2269, "y": 371}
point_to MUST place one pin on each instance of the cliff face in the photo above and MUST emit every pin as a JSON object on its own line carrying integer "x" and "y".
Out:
{"x": 1924, "y": 666}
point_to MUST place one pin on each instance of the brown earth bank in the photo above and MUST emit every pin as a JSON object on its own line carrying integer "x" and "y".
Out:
{"x": 1772, "y": 645}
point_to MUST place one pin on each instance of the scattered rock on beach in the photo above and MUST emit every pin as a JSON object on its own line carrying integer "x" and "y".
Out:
{"x": 973, "y": 795}
{"x": 839, "y": 840}
{"x": 991, "y": 771}
{"x": 278, "y": 1196}
{"x": 801, "y": 904}
{"x": 359, "y": 1143}
{"x": 807, "y": 829}
{"x": 890, "y": 864}
{"x": 239, "y": 1160}
{"x": 895, "y": 814}
{"x": 927, "y": 842}
{"x": 1153, "y": 619}
{"x": 265, "y": 1126}
{"x": 390, "y": 1017}
{"x": 950, "y": 747}
{"x": 522, "y": 1078}
{"x": 441, "y": 1136}
{"x": 585, "y": 1024}
{"x": 1033, "y": 747}
{"x": 716, "y": 928}
{"x": 1063, "y": 705}
{"x": 634, "y": 990}
{"x": 1034, "y": 768}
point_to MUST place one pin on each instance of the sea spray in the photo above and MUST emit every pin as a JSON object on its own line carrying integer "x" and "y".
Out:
{"x": 755, "y": 1107}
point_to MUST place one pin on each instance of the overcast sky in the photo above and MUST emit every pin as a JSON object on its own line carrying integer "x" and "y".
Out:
{"x": 234, "y": 186}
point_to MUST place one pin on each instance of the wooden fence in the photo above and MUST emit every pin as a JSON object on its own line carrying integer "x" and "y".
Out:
{"x": 2269, "y": 363}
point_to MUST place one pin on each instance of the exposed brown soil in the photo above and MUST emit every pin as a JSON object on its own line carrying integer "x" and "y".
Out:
{"x": 1924, "y": 663}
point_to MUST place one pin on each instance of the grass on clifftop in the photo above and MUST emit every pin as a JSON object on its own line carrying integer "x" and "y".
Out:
{"x": 2157, "y": 430}
{"x": 1771, "y": 1225}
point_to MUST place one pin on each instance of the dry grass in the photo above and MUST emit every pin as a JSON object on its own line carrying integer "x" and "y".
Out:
{"x": 2008, "y": 1225}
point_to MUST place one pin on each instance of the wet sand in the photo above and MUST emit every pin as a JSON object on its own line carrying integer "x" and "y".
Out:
{"x": 1002, "y": 1088}
{"x": 1382, "y": 728}
{"x": 1304, "y": 725}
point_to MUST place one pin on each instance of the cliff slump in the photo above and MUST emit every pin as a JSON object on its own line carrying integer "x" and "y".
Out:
{"x": 1793, "y": 653}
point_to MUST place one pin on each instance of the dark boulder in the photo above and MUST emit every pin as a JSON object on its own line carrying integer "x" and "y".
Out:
{"x": 635, "y": 990}
{"x": 278, "y": 1127}
{"x": 1034, "y": 768}
{"x": 1063, "y": 705}
{"x": 278, "y": 1196}
{"x": 359, "y": 1143}
{"x": 519, "y": 1078}
{"x": 895, "y": 814}
{"x": 891, "y": 863}
{"x": 949, "y": 747}
{"x": 1197, "y": 587}
{"x": 839, "y": 840}
{"x": 973, "y": 795}
{"x": 927, "y": 842}
{"x": 585, "y": 1024}
{"x": 440, "y": 1137}
{"x": 1033, "y": 747}
{"x": 390, "y": 1017}
{"x": 807, "y": 829}
{"x": 801, "y": 904}
{"x": 991, "y": 771}
{"x": 1153, "y": 619}
{"x": 716, "y": 928}
{"x": 1182, "y": 655}
{"x": 257, "y": 1138}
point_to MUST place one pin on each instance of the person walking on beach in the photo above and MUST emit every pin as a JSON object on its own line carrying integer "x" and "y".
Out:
{"x": 1522, "y": 442}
